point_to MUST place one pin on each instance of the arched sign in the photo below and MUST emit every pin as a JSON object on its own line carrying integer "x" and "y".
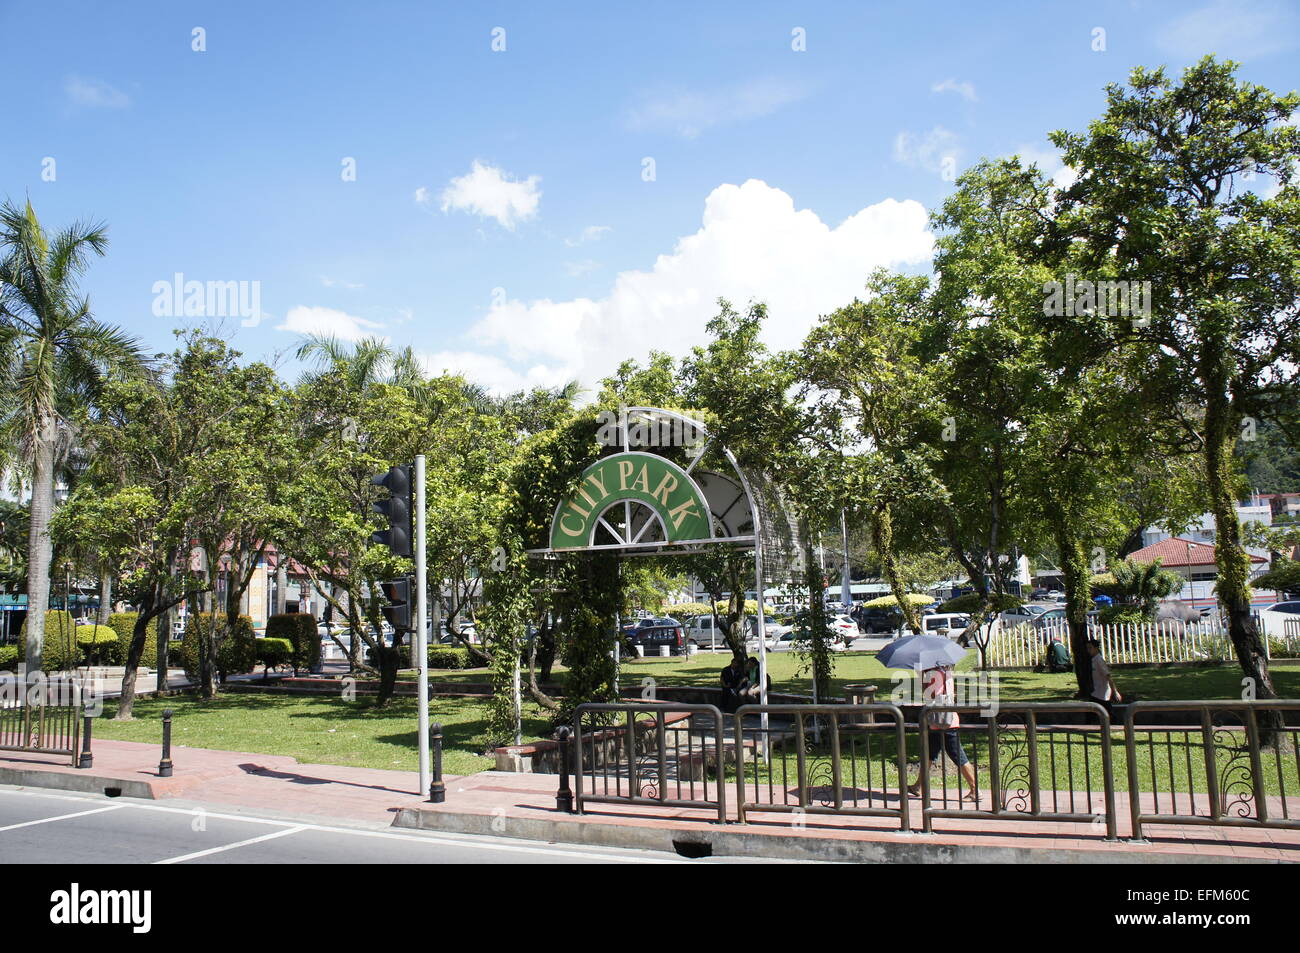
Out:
{"x": 632, "y": 499}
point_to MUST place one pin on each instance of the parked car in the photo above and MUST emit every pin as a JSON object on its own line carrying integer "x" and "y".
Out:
{"x": 1274, "y": 617}
{"x": 954, "y": 622}
{"x": 652, "y": 637}
{"x": 883, "y": 620}
{"x": 1021, "y": 615}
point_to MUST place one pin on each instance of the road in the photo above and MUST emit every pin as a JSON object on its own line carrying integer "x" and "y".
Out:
{"x": 48, "y": 827}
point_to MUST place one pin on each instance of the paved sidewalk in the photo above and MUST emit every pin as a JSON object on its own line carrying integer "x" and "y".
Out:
{"x": 239, "y": 779}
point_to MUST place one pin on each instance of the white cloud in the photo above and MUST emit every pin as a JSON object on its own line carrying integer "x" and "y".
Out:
{"x": 488, "y": 192}
{"x": 688, "y": 112}
{"x": 964, "y": 89}
{"x": 576, "y": 269}
{"x": 753, "y": 244}
{"x": 94, "y": 94}
{"x": 490, "y": 371}
{"x": 328, "y": 322}
{"x": 927, "y": 150}
{"x": 1241, "y": 29}
{"x": 422, "y": 196}
{"x": 592, "y": 233}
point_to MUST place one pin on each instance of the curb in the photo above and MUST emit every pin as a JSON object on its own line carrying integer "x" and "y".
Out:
{"x": 83, "y": 782}
{"x": 705, "y": 839}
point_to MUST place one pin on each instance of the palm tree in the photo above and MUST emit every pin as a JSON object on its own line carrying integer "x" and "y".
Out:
{"x": 53, "y": 356}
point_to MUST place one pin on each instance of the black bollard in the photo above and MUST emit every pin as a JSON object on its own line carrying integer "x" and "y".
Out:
{"x": 437, "y": 790}
{"x": 564, "y": 796}
{"x": 165, "y": 765}
{"x": 87, "y": 760}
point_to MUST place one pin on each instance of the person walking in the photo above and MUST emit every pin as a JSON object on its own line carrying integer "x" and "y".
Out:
{"x": 1104, "y": 691}
{"x": 937, "y": 689}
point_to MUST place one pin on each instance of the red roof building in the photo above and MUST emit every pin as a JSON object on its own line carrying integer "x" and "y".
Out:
{"x": 1179, "y": 553}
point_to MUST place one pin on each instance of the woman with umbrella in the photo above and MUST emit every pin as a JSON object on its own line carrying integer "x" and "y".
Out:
{"x": 934, "y": 657}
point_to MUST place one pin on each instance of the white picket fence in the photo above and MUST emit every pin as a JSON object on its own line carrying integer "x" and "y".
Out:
{"x": 1151, "y": 643}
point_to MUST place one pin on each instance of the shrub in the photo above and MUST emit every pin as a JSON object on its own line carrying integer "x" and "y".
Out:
{"x": 272, "y": 652}
{"x": 124, "y": 624}
{"x": 237, "y": 653}
{"x": 60, "y": 650}
{"x": 445, "y": 657}
{"x": 299, "y": 629}
{"x": 1122, "y": 615}
{"x": 8, "y": 658}
{"x": 100, "y": 644}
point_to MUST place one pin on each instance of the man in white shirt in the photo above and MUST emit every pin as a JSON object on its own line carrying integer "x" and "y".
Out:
{"x": 1104, "y": 692}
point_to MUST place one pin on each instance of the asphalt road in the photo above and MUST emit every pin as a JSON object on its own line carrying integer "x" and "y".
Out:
{"x": 48, "y": 827}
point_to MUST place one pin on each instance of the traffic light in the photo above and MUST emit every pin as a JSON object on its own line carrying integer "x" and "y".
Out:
{"x": 398, "y": 610}
{"x": 397, "y": 508}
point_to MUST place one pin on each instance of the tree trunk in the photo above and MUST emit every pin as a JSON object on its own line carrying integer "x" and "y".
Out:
{"x": 882, "y": 538}
{"x": 1076, "y": 575}
{"x": 1231, "y": 557}
{"x": 105, "y": 597}
{"x": 139, "y": 633}
{"x": 39, "y": 547}
{"x": 281, "y": 583}
{"x": 388, "y": 658}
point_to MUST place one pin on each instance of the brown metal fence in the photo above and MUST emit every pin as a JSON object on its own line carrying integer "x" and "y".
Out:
{"x": 1223, "y": 763}
{"x": 821, "y": 759}
{"x": 44, "y": 718}
{"x": 1226, "y": 764}
{"x": 652, "y": 754}
{"x": 1026, "y": 764}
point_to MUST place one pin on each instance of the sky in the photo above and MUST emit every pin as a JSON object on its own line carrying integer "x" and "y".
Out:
{"x": 529, "y": 193}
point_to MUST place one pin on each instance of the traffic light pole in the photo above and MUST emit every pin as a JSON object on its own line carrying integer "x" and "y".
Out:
{"x": 421, "y": 631}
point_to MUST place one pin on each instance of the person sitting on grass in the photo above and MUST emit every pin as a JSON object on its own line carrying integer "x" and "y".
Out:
{"x": 937, "y": 689}
{"x": 753, "y": 691}
{"x": 1058, "y": 659}
{"x": 733, "y": 683}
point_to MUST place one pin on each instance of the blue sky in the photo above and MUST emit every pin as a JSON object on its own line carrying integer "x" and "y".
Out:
{"x": 501, "y": 219}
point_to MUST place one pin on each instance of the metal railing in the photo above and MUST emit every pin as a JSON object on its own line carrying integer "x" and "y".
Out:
{"x": 1242, "y": 755}
{"x": 45, "y": 718}
{"x": 652, "y": 754}
{"x": 1025, "y": 767}
{"x": 821, "y": 759}
{"x": 1226, "y": 763}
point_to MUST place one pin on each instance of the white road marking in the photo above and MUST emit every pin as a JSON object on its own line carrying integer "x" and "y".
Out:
{"x": 475, "y": 841}
{"x": 62, "y": 817}
{"x": 225, "y": 847}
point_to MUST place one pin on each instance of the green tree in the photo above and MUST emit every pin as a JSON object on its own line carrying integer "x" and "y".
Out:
{"x": 53, "y": 353}
{"x": 1166, "y": 194}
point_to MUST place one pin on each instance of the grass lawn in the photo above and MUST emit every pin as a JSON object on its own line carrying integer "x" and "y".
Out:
{"x": 1148, "y": 684}
{"x": 316, "y": 729}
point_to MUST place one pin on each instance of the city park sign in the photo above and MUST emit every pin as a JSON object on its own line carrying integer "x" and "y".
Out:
{"x": 629, "y": 500}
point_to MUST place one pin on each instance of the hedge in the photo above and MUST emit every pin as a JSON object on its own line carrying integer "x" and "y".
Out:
{"x": 60, "y": 652}
{"x": 99, "y": 644}
{"x": 8, "y": 658}
{"x": 237, "y": 654}
{"x": 299, "y": 629}
{"x": 272, "y": 652}
{"x": 124, "y": 624}
{"x": 441, "y": 656}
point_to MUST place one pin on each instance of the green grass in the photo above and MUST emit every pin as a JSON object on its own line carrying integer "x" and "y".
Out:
{"x": 1149, "y": 684}
{"x": 316, "y": 729}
